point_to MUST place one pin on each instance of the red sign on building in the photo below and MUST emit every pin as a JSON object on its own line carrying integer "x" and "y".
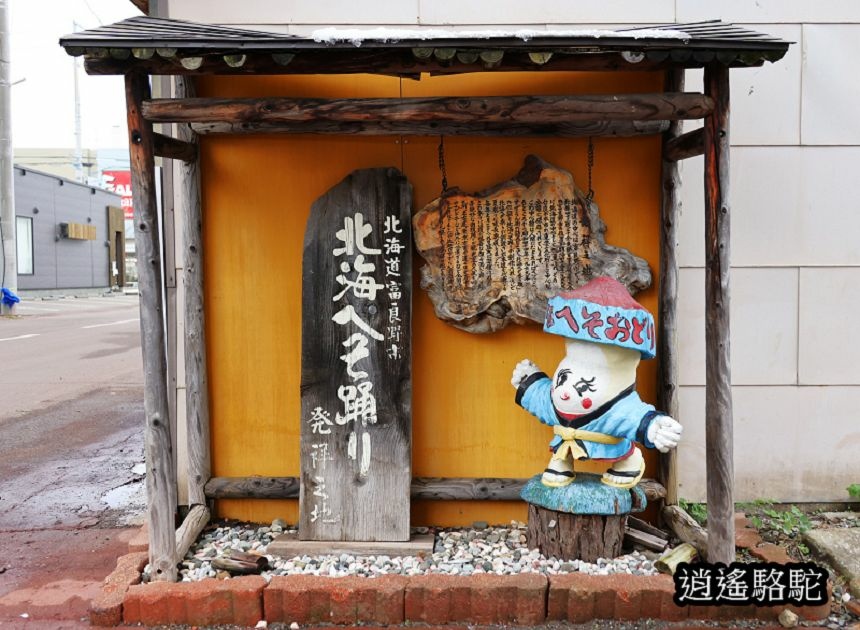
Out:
{"x": 120, "y": 183}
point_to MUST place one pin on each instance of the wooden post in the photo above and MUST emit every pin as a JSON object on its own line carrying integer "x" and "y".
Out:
{"x": 160, "y": 469}
{"x": 718, "y": 384}
{"x": 566, "y": 536}
{"x": 186, "y": 535}
{"x": 667, "y": 334}
{"x": 196, "y": 378}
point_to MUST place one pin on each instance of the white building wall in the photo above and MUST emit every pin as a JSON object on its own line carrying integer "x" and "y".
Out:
{"x": 795, "y": 221}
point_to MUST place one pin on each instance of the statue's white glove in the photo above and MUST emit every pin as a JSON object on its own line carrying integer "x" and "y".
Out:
{"x": 522, "y": 371}
{"x": 664, "y": 433}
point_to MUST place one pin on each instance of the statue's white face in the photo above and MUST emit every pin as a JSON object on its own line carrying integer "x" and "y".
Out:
{"x": 590, "y": 375}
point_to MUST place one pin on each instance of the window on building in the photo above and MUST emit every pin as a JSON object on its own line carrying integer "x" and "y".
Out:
{"x": 24, "y": 228}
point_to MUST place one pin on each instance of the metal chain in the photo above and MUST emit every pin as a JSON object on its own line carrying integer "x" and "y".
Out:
{"x": 442, "y": 168}
{"x": 590, "y": 196}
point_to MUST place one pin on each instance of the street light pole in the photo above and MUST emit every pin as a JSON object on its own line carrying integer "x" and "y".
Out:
{"x": 9, "y": 274}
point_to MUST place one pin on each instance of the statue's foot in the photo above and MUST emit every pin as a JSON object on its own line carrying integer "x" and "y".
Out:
{"x": 626, "y": 473}
{"x": 558, "y": 474}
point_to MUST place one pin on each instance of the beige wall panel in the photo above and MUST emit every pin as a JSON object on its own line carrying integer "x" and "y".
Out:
{"x": 791, "y": 443}
{"x": 831, "y": 83}
{"x": 764, "y": 326}
{"x": 546, "y": 12}
{"x": 829, "y": 337}
{"x": 296, "y": 12}
{"x": 769, "y": 11}
{"x": 791, "y": 206}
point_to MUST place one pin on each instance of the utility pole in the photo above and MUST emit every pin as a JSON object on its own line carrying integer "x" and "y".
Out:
{"x": 9, "y": 274}
{"x": 79, "y": 166}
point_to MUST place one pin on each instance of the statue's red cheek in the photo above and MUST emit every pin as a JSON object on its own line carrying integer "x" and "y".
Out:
{"x": 586, "y": 403}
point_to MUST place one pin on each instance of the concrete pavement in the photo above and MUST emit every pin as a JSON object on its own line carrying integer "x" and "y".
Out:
{"x": 71, "y": 454}
{"x": 58, "y": 349}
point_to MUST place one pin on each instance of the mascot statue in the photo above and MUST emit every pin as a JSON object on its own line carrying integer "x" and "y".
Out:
{"x": 591, "y": 401}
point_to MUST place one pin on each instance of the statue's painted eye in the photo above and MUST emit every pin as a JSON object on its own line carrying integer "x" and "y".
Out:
{"x": 585, "y": 385}
{"x": 561, "y": 378}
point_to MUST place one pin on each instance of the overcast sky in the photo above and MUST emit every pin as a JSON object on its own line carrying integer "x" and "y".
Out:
{"x": 43, "y": 106}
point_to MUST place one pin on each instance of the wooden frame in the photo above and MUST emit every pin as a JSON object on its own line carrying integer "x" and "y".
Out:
{"x": 556, "y": 116}
{"x": 423, "y": 488}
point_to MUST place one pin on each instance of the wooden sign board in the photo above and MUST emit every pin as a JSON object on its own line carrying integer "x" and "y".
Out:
{"x": 493, "y": 258}
{"x": 356, "y": 390}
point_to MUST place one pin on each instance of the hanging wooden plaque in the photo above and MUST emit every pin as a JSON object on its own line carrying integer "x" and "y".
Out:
{"x": 356, "y": 390}
{"x": 494, "y": 257}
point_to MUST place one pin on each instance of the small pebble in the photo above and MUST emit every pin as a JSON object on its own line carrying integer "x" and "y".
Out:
{"x": 498, "y": 550}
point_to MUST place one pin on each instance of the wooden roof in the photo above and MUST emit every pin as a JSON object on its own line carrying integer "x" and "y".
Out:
{"x": 166, "y": 46}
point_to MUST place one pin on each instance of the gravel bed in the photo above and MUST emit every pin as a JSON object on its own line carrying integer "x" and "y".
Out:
{"x": 473, "y": 551}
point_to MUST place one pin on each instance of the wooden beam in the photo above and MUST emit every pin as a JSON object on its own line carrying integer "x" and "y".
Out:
{"x": 252, "y": 488}
{"x": 160, "y": 467}
{"x": 467, "y": 489}
{"x": 398, "y": 62}
{"x": 196, "y": 376}
{"x": 615, "y": 128}
{"x": 427, "y": 488}
{"x": 173, "y": 148}
{"x": 684, "y": 146}
{"x": 667, "y": 335}
{"x": 186, "y": 535}
{"x": 686, "y": 528}
{"x": 523, "y": 110}
{"x": 718, "y": 381}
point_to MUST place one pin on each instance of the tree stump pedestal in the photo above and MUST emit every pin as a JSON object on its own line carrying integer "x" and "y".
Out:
{"x": 581, "y": 521}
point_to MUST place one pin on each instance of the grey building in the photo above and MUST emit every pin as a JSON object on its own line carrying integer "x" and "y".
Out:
{"x": 68, "y": 233}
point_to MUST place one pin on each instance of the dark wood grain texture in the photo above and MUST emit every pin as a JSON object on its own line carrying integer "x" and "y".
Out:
{"x": 526, "y": 110}
{"x": 356, "y": 458}
{"x": 160, "y": 464}
{"x": 575, "y": 536}
{"x": 686, "y": 528}
{"x": 196, "y": 375}
{"x": 649, "y": 541}
{"x": 596, "y": 128}
{"x": 252, "y": 488}
{"x": 667, "y": 320}
{"x": 423, "y": 488}
{"x": 684, "y": 146}
{"x": 718, "y": 381}
{"x": 392, "y": 62}
{"x": 174, "y": 148}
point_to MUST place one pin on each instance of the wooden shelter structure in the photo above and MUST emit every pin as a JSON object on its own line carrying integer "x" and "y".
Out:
{"x": 144, "y": 46}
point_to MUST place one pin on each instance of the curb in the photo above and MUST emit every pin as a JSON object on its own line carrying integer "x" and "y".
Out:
{"x": 106, "y": 609}
{"x": 526, "y": 599}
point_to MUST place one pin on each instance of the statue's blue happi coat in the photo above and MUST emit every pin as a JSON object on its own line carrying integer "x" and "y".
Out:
{"x": 625, "y": 417}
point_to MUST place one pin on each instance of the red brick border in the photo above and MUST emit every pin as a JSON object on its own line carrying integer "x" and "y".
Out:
{"x": 525, "y": 599}
{"x": 481, "y": 599}
{"x": 208, "y": 602}
{"x": 106, "y": 609}
{"x": 349, "y": 600}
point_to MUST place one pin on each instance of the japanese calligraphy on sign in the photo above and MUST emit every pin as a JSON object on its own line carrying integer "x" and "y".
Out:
{"x": 493, "y": 258}
{"x": 356, "y": 361}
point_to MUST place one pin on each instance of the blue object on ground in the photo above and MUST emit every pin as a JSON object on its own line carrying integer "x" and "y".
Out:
{"x": 586, "y": 495}
{"x": 9, "y": 298}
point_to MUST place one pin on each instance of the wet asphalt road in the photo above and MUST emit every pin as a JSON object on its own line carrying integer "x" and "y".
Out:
{"x": 71, "y": 450}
